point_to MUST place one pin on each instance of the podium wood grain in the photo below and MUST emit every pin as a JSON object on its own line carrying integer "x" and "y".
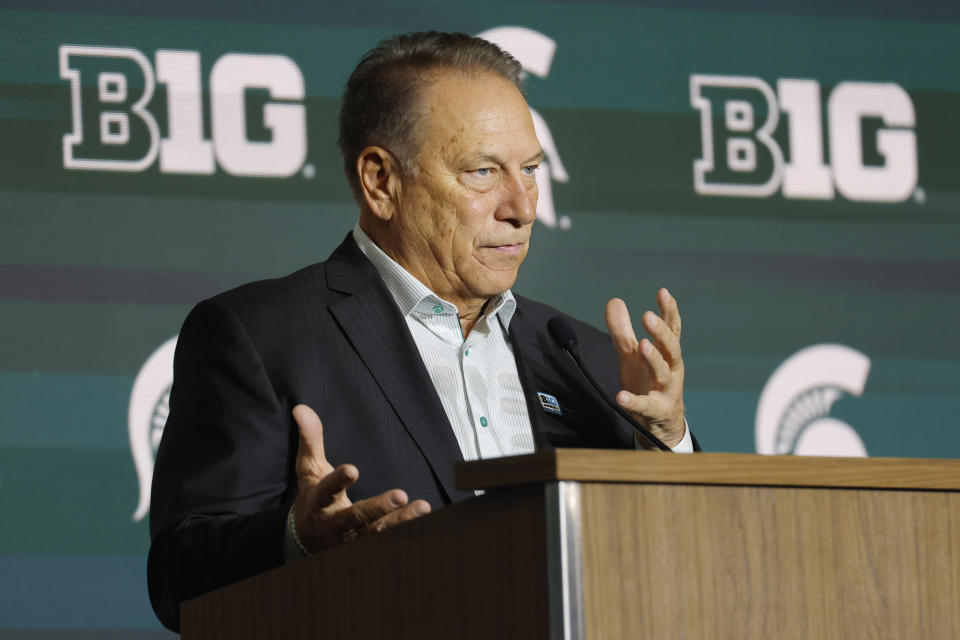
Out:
{"x": 711, "y": 546}
{"x": 478, "y": 568}
{"x": 601, "y": 465}
{"x": 759, "y": 562}
{"x": 747, "y": 546}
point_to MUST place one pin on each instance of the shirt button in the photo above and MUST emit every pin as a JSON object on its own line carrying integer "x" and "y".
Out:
{"x": 483, "y": 421}
{"x": 438, "y": 309}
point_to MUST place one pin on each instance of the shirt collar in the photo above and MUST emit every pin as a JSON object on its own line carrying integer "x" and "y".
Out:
{"x": 412, "y": 296}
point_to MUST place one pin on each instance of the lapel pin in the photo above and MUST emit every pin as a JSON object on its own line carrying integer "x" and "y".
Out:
{"x": 549, "y": 403}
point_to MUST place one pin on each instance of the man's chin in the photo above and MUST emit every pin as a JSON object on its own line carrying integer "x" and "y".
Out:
{"x": 496, "y": 286}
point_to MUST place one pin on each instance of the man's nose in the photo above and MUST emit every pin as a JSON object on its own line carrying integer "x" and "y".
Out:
{"x": 519, "y": 202}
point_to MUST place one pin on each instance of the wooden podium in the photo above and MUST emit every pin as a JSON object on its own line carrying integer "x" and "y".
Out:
{"x": 626, "y": 544}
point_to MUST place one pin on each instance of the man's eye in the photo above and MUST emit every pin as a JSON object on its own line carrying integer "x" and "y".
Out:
{"x": 530, "y": 169}
{"x": 484, "y": 172}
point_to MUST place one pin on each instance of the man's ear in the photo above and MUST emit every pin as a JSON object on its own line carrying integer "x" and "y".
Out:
{"x": 379, "y": 173}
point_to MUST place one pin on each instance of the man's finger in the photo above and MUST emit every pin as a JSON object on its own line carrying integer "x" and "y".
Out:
{"x": 659, "y": 368}
{"x": 620, "y": 327}
{"x": 666, "y": 340}
{"x": 669, "y": 310}
{"x": 311, "y": 457}
{"x": 413, "y": 510}
{"x": 641, "y": 405}
{"x": 366, "y": 512}
{"x": 332, "y": 486}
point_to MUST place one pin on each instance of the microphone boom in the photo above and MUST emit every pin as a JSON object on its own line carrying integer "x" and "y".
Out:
{"x": 566, "y": 338}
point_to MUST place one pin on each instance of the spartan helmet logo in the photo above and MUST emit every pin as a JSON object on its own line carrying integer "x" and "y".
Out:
{"x": 147, "y": 415}
{"x": 793, "y": 412}
{"x": 534, "y": 51}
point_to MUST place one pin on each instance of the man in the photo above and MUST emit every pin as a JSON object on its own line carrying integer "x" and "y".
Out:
{"x": 407, "y": 341}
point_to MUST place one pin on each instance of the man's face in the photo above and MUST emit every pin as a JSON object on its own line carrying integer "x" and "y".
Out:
{"x": 463, "y": 221}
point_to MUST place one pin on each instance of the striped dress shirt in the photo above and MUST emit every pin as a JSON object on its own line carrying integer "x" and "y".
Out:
{"x": 475, "y": 376}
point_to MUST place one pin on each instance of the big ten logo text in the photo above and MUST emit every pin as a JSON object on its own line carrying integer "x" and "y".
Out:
{"x": 257, "y": 119}
{"x": 868, "y": 134}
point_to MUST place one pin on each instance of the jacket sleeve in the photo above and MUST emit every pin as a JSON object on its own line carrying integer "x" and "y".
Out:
{"x": 223, "y": 479}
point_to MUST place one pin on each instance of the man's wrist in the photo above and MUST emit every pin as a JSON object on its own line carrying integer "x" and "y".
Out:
{"x": 685, "y": 445}
{"x": 686, "y": 442}
{"x": 293, "y": 547}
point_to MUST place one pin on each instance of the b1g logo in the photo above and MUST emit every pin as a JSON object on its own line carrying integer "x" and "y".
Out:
{"x": 742, "y": 158}
{"x": 111, "y": 89}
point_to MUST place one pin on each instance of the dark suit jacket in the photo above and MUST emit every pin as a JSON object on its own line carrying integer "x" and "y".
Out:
{"x": 329, "y": 336}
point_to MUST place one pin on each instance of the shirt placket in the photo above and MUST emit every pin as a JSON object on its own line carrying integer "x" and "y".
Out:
{"x": 446, "y": 327}
{"x": 477, "y": 387}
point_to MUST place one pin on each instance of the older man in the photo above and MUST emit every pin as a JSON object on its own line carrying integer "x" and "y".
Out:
{"x": 407, "y": 342}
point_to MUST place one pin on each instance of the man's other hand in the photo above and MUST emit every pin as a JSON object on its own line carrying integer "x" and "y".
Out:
{"x": 651, "y": 372}
{"x": 324, "y": 515}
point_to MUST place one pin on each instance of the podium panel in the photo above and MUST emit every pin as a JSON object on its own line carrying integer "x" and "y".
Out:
{"x": 676, "y": 561}
{"x": 602, "y": 545}
{"x": 477, "y": 569}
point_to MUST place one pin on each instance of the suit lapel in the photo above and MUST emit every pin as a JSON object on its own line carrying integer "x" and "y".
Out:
{"x": 373, "y": 324}
{"x": 523, "y": 338}
{"x": 585, "y": 421}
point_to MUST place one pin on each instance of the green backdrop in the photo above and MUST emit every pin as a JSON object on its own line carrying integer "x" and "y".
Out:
{"x": 99, "y": 266}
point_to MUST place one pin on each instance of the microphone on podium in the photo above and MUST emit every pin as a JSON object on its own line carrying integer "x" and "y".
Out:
{"x": 566, "y": 338}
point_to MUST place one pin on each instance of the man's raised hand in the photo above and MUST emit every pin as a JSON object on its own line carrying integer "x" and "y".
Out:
{"x": 651, "y": 372}
{"x": 324, "y": 516}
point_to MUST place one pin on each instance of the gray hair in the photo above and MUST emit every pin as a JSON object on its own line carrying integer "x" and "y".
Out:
{"x": 379, "y": 102}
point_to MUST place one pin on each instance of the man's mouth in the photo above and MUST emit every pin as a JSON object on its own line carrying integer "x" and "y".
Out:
{"x": 507, "y": 249}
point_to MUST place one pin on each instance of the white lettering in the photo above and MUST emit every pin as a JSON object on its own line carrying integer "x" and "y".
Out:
{"x": 127, "y": 129}
{"x": 231, "y": 76}
{"x": 849, "y": 103}
{"x": 183, "y": 150}
{"x": 741, "y": 151}
{"x": 805, "y": 175}
{"x": 110, "y": 90}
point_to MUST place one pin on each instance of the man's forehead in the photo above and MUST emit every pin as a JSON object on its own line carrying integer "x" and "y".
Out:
{"x": 458, "y": 104}
{"x": 499, "y": 141}
{"x": 460, "y": 89}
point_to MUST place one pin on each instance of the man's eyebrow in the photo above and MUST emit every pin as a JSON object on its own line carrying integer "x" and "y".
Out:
{"x": 537, "y": 157}
{"x": 494, "y": 158}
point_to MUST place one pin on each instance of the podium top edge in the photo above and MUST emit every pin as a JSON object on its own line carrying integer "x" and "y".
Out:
{"x": 738, "y": 469}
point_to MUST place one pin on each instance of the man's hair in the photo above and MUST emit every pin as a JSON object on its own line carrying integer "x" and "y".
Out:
{"x": 379, "y": 105}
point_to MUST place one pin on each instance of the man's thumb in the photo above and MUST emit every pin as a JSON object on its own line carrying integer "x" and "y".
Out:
{"x": 311, "y": 457}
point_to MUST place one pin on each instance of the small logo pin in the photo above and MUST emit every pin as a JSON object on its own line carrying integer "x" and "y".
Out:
{"x": 549, "y": 403}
